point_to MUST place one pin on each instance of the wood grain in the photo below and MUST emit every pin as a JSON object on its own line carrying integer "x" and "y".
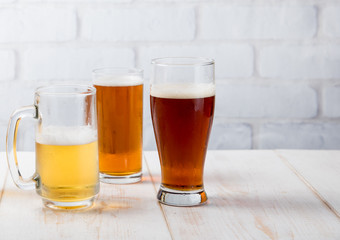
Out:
{"x": 252, "y": 195}
{"x": 120, "y": 212}
{"x": 321, "y": 172}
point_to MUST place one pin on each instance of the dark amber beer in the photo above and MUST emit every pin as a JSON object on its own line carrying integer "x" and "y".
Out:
{"x": 120, "y": 126}
{"x": 182, "y": 101}
{"x": 182, "y": 128}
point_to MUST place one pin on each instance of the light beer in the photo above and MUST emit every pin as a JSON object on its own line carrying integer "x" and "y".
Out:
{"x": 182, "y": 116}
{"x": 67, "y": 163}
{"x": 120, "y": 125}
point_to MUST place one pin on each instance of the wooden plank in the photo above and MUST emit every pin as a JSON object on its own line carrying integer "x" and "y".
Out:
{"x": 3, "y": 172}
{"x": 320, "y": 170}
{"x": 120, "y": 212}
{"x": 252, "y": 195}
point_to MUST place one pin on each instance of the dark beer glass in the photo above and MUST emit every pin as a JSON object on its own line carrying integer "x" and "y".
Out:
{"x": 182, "y": 99}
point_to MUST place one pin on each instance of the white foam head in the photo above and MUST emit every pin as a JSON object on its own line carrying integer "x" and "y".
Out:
{"x": 118, "y": 81}
{"x": 54, "y": 135}
{"x": 183, "y": 91}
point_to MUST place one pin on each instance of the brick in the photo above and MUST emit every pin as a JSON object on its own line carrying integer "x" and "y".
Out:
{"x": 82, "y": 1}
{"x": 146, "y": 102}
{"x": 59, "y": 63}
{"x": 230, "y": 136}
{"x": 25, "y": 135}
{"x": 260, "y": 101}
{"x": 330, "y": 21}
{"x": 15, "y": 95}
{"x": 257, "y": 22}
{"x": 300, "y": 62}
{"x": 3, "y": 129}
{"x": 231, "y": 60}
{"x": 7, "y": 66}
{"x": 331, "y": 135}
{"x": 331, "y": 101}
{"x": 37, "y": 24}
{"x": 138, "y": 23}
{"x": 162, "y": 1}
{"x": 149, "y": 142}
{"x": 300, "y": 136}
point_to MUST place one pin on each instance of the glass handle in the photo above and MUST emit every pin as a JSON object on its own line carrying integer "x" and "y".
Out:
{"x": 11, "y": 142}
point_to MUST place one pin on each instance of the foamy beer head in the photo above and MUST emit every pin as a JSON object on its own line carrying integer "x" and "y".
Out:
{"x": 117, "y": 77}
{"x": 65, "y": 136}
{"x": 183, "y": 91}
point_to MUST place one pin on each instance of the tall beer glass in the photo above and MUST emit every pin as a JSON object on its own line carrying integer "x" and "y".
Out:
{"x": 120, "y": 124}
{"x": 182, "y": 108}
{"x": 67, "y": 175}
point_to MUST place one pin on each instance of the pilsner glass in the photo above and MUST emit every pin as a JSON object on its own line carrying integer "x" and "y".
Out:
{"x": 67, "y": 175}
{"x": 182, "y": 99}
{"x": 120, "y": 124}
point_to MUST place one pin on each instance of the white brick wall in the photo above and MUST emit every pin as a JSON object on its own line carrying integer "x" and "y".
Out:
{"x": 3, "y": 129}
{"x": 232, "y": 60}
{"x": 300, "y": 62}
{"x": 331, "y": 103}
{"x": 331, "y": 21}
{"x": 261, "y": 101}
{"x": 20, "y": 24}
{"x": 277, "y": 62}
{"x": 7, "y": 66}
{"x": 230, "y": 136}
{"x": 143, "y": 23}
{"x": 257, "y": 22}
{"x": 13, "y": 96}
{"x": 300, "y": 135}
{"x": 76, "y": 63}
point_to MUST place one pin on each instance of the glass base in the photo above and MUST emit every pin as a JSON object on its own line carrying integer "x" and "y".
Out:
{"x": 181, "y": 198}
{"x": 79, "y": 205}
{"x": 125, "y": 179}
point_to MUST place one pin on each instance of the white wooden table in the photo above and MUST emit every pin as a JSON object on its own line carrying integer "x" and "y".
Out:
{"x": 282, "y": 194}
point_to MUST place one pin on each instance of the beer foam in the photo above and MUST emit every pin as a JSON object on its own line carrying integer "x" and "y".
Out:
{"x": 183, "y": 91}
{"x": 66, "y": 135}
{"x": 118, "y": 81}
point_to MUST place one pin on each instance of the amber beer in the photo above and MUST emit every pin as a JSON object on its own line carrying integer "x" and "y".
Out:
{"x": 182, "y": 116}
{"x": 120, "y": 125}
{"x": 67, "y": 164}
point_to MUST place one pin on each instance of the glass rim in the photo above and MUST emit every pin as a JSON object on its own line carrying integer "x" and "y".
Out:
{"x": 117, "y": 71}
{"x": 195, "y": 61}
{"x": 81, "y": 89}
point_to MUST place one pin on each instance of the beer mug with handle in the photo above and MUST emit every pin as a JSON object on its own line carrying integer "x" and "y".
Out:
{"x": 182, "y": 108}
{"x": 67, "y": 175}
